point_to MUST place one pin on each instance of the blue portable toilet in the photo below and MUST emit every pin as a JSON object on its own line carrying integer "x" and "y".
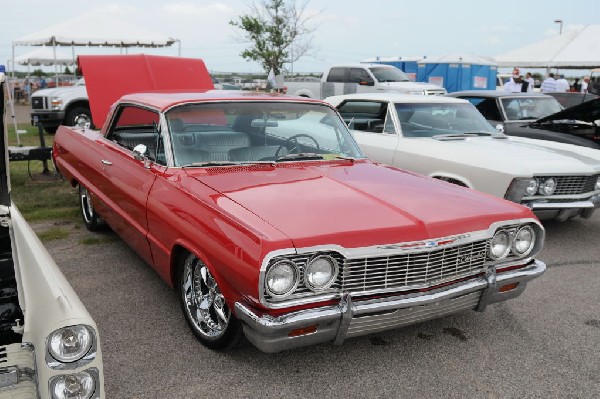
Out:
{"x": 409, "y": 65}
{"x": 456, "y": 72}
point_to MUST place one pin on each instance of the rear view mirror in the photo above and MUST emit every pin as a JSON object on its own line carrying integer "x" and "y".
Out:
{"x": 500, "y": 128}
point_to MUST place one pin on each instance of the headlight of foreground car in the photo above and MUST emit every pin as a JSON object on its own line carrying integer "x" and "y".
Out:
{"x": 69, "y": 344}
{"x": 548, "y": 186}
{"x": 81, "y": 385}
{"x": 320, "y": 272}
{"x": 518, "y": 241}
{"x": 597, "y": 184}
{"x": 282, "y": 278}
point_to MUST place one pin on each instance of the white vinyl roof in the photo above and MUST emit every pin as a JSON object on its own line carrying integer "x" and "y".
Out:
{"x": 574, "y": 48}
{"x": 44, "y": 56}
{"x": 95, "y": 28}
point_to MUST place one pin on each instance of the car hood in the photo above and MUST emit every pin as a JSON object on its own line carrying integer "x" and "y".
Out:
{"x": 587, "y": 111}
{"x": 511, "y": 155}
{"x": 355, "y": 205}
{"x": 59, "y": 91}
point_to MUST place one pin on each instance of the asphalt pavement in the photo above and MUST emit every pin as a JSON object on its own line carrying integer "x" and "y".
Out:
{"x": 543, "y": 344}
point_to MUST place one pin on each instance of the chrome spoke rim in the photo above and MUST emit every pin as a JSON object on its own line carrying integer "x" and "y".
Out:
{"x": 86, "y": 205}
{"x": 205, "y": 305}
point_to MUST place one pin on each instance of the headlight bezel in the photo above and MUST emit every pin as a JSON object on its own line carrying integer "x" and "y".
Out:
{"x": 505, "y": 252}
{"x": 55, "y": 362}
{"x": 296, "y": 280}
{"x": 543, "y": 185}
{"x": 334, "y": 273}
{"x": 531, "y": 244}
{"x": 512, "y": 233}
{"x": 92, "y": 373}
{"x": 534, "y": 184}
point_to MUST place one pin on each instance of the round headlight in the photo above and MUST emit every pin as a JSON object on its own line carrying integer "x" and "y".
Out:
{"x": 70, "y": 344}
{"x": 597, "y": 184}
{"x": 73, "y": 386}
{"x": 282, "y": 278}
{"x": 532, "y": 187}
{"x": 500, "y": 245}
{"x": 320, "y": 272}
{"x": 548, "y": 186}
{"x": 524, "y": 241}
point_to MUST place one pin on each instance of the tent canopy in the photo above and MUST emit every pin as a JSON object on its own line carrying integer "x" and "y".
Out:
{"x": 95, "y": 28}
{"x": 44, "y": 56}
{"x": 576, "y": 48}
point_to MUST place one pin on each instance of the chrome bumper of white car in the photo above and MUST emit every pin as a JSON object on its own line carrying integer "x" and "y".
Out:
{"x": 565, "y": 210}
{"x": 350, "y": 319}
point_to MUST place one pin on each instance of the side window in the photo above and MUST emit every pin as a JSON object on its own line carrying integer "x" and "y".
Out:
{"x": 337, "y": 75}
{"x": 367, "y": 116}
{"x": 358, "y": 75}
{"x": 135, "y": 125}
{"x": 487, "y": 107}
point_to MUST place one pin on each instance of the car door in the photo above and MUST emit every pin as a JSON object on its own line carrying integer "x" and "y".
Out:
{"x": 373, "y": 127}
{"x": 126, "y": 181}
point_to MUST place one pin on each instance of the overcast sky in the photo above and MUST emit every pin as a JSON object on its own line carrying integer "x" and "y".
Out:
{"x": 345, "y": 30}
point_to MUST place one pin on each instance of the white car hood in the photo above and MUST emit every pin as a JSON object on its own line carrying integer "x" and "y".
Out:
{"x": 59, "y": 91}
{"x": 513, "y": 156}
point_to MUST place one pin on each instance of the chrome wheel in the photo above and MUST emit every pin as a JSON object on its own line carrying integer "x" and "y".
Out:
{"x": 91, "y": 219}
{"x": 204, "y": 303}
{"x": 82, "y": 120}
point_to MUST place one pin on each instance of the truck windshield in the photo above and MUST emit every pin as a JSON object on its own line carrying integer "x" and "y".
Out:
{"x": 383, "y": 74}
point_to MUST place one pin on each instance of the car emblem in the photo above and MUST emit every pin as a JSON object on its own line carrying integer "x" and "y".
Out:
{"x": 425, "y": 244}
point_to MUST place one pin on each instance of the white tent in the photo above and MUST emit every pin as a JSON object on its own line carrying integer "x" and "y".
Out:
{"x": 44, "y": 56}
{"x": 95, "y": 28}
{"x": 576, "y": 48}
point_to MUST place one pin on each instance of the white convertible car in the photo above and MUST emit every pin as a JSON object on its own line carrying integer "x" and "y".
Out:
{"x": 49, "y": 344}
{"x": 448, "y": 139}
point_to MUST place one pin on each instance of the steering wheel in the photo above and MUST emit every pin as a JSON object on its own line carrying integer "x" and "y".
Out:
{"x": 296, "y": 146}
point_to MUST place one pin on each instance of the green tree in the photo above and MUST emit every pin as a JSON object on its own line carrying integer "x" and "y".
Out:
{"x": 278, "y": 32}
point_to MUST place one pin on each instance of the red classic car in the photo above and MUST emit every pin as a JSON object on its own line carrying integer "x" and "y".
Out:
{"x": 261, "y": 211}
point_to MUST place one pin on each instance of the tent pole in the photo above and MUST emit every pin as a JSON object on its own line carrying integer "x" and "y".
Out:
{"x": 55, "y": 66}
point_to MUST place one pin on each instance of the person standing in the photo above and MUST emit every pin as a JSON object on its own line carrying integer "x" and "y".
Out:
{"x": 562, "y": 85}
{"x": 584, "y": 84}
{"x": 549, "y": 84}
{"x": 514, "y": 84}
{"x": 530, "y": 81}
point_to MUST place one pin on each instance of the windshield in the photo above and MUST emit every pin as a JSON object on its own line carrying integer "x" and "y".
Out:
{"x": 389, "y": 74}
{"x": 428, "y": 120}
{"x": 529, "y": 108}
{"x": 246, "y": 132}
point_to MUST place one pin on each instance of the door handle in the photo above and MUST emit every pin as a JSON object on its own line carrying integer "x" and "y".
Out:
{"x": 105, "y": 162}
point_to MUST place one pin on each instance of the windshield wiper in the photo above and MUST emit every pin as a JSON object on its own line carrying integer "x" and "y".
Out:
{"x": 213, "y": 163}
{"x": 461, "y": 135}
{"x": 303, "y": 156}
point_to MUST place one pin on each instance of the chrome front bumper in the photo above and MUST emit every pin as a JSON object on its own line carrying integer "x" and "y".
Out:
{"x": 351, "y": 319}
{"x": 562, "y": 211}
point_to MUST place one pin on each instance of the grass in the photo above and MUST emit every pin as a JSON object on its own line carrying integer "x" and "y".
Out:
{"x": 53, "y": 234}
{"x": 36, "y": 196}
{"x": 97, "y": 240}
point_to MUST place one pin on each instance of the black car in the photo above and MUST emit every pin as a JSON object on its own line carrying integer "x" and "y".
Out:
{"x": 538, "y": 116}
{"x": 570, "y": 99}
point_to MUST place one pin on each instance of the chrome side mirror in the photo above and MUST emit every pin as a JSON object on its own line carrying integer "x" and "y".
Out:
{"x": 500, "y": 128}
{"x": 597, "y": 122}
{"x": 139, "y": 152}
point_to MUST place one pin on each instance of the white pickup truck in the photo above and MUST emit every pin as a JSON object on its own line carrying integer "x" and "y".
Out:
{"x": 361, "y": 78}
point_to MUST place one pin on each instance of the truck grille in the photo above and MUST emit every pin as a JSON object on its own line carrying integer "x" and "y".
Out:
{"x": 434, "y": 92}
{"x": 37, "y": 103}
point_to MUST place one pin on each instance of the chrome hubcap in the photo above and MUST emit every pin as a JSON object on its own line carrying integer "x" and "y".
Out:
{"x": 82, "y": 120}
{"x": 205, "y": 305}
{"x": 86, "y": 205}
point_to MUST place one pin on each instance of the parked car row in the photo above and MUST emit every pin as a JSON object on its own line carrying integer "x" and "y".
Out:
{"x": 266, "y": 217}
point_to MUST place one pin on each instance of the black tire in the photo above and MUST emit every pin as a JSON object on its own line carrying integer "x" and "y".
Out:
{"x": 79, "y": 116}
{"x": 216, "y": 327}
{"x": 91, "y": 220}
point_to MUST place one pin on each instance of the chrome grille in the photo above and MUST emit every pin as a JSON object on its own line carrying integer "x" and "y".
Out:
{"x": 413, "y": 269}
{"x": 434, "y": 92}
{"x": 573, "y": 185}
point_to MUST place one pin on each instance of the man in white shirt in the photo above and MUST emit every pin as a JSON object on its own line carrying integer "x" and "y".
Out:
{"x": 584, "y": 84}
{"x": 562, "y": 85}
{"x": 515, "y": 83}
{"x": 530, "y": 80}
{"x": 549, "y": 84}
